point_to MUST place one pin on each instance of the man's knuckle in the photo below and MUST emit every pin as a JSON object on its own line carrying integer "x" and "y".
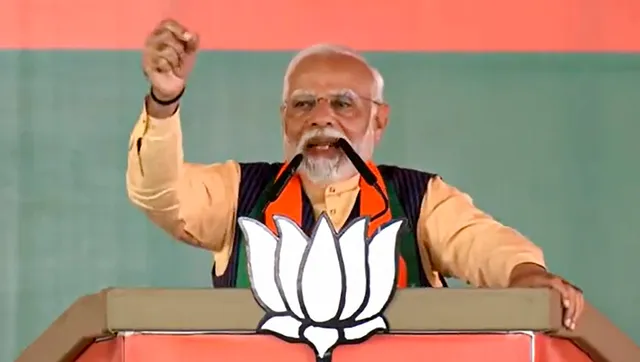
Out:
{"x": 174, "y": 27}
{"x": 557, "y": 281}
{"x": 173, "y": 44}
{"x": 168, "y": 22}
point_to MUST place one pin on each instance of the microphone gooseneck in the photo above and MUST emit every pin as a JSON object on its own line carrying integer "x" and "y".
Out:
{"x": 279, "y": 184}
{"x": 364, "y": 171}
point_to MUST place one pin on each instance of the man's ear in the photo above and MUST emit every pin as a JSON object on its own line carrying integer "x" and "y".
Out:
{"x": 284, "y": 124}
{"x": 380, "y": 121}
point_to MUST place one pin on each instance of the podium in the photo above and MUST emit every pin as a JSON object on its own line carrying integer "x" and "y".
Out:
{"x": 444, "y": 325}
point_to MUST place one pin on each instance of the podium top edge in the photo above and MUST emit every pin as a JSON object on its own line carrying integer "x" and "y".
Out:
{"x": 412, "y": 310}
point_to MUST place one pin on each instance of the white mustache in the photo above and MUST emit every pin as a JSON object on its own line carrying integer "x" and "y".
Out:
{"x": 319, "y": 132}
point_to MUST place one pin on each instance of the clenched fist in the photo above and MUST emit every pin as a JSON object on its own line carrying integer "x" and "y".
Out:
{"x": 168, "y": 58}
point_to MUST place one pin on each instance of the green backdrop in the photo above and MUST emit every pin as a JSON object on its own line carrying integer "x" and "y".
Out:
{"x": 546, "y": 143}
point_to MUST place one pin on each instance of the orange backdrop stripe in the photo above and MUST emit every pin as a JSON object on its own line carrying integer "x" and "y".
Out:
{"x": 406, "y": 25}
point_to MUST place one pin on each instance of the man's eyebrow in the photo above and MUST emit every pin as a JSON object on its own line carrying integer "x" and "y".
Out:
{"x": 344, "y": 92}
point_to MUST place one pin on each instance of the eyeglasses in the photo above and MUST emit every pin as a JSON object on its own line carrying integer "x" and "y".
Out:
{"x": 347, "y": 104}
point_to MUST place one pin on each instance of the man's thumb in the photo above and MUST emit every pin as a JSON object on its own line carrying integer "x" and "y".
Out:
{"x": 192, "y": 41}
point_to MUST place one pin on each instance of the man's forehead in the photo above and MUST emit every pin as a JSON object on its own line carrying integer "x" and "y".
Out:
{"x": 301, "y": 92}
{"x": 333, "y": 73}
{"x": 335, "y": 60}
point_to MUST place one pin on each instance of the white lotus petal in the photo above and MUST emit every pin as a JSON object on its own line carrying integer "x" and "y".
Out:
{"x": 261, "y": 253}
{"x": 352, "y": 247}
{"x": 361, "y": 330}
{"x": 322, "y": 339}
{"x": 321, "y": 281}
{"x": 293, "y": 243}
{"x": 283, "y": 325}
{"x": 382, "y": 265}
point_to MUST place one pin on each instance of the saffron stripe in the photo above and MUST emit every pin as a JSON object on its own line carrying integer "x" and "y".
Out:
{"x": 409, "y": 25}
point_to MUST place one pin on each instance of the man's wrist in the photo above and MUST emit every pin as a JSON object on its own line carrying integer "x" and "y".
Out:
{"x": 165, "y": 99}
{"x": 525, "y": 270}
{"x": 159, "y": 111}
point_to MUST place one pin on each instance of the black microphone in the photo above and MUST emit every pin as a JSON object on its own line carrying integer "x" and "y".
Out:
{"x": 276, "y": 188}
{"x": 365, "y": 172}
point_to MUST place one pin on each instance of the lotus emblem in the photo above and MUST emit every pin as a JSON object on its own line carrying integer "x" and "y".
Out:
{"x": 326, "y": 289}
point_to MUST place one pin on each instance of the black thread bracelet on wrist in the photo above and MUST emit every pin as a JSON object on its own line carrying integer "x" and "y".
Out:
{"x": 170, "y": 101}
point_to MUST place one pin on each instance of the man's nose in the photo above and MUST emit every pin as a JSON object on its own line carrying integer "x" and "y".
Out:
{"x": 322, "y": 115}
{"x": 322, "y": 121}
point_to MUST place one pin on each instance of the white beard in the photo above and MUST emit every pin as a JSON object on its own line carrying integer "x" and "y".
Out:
{"x": 326, "y": 171}
{"x": 322, "y": 170}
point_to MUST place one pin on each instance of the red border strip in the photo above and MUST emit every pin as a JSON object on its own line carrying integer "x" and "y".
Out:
{"x": 402, "y": 25}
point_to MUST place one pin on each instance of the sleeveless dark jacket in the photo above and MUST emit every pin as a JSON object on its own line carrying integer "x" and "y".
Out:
{"x": 410, "y": 187}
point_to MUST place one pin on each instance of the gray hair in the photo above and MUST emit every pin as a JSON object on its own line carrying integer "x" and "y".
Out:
{"x": 333, "y": 49}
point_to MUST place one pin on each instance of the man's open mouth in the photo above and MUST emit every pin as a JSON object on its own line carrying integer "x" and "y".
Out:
{"x": 320, "y": 143}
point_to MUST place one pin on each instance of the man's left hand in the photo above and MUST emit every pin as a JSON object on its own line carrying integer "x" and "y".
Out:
{"x": 535, "y": 276}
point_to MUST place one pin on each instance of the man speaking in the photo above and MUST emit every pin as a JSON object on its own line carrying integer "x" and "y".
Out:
{"x": 333, "y": 115}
